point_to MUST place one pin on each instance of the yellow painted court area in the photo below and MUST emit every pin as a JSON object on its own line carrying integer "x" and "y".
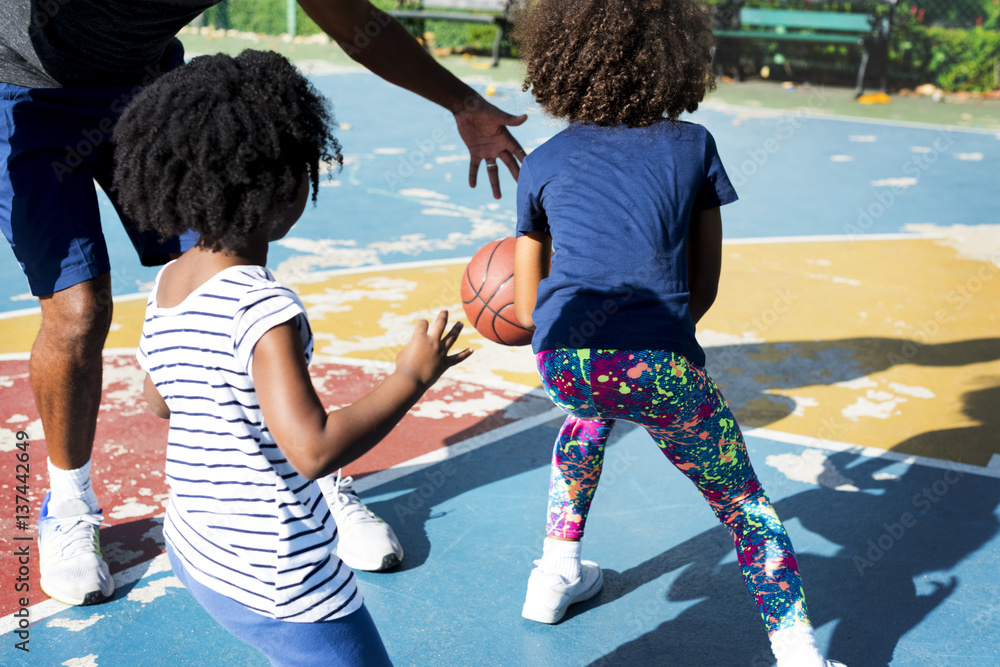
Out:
{"x": 888, "y": 344}
{"x": 882, "y": 343}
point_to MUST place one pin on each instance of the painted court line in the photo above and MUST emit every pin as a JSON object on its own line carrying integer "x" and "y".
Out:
{"x": 43, "y": 610}
{"x": 991, "y": 470}
{"x": 423, "y": 461}
{"x": 312, "y": 277}
{"x": 318, "y": 276}
{"x": 160, "y": 564}
{"x": 807, "y": 112}
{"x": 455, "y": 375}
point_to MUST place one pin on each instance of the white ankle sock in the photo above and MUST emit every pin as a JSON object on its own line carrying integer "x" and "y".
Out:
{"x": 561, "y": 557}
{"x": 796, "y": 647}
{"x": 70, "y": 484}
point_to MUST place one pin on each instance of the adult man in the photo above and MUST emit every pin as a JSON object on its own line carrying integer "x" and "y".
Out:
{"x": 68, "y": 68}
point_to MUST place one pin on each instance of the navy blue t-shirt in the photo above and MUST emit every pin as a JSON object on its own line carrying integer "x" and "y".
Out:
{"x": 618, "y": 203}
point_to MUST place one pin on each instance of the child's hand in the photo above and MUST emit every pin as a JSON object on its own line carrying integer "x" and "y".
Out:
{"x": 425, "y": 357}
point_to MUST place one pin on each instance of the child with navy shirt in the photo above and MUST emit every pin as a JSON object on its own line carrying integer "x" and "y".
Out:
{"x": 231, "y": 148}
{"x": 617, "y": 258}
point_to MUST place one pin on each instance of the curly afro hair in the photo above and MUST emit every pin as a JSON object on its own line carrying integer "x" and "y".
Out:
{"x": 221, "y": 146}
{"x": 612, "y": 62}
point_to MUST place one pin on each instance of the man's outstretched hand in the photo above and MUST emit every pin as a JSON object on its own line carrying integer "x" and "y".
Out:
{"x": 483, "y": 128}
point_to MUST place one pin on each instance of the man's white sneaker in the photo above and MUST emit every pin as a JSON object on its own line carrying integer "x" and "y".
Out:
{"x": 550, "y": 595}
{"x": 366, "y": 541}
{"x": 72, "y": 568}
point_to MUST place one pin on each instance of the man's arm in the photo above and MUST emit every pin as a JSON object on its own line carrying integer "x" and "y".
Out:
{"x": 380, "y": 43}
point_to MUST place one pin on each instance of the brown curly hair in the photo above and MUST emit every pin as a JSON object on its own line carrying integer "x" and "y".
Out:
{"x": 613, "y": 62}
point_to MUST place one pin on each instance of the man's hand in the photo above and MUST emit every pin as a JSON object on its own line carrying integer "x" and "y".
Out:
{"x": 382, "y": 44}
{"x": 483, "y": 128}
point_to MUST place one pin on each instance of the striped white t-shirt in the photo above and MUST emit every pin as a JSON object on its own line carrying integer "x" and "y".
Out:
{"x": 245, "y": 523}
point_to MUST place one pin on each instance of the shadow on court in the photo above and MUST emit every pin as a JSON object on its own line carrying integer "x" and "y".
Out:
{"x": 746, "y": 373}
{"x": 876, "y": 562}
{"x": 889, "y": 535}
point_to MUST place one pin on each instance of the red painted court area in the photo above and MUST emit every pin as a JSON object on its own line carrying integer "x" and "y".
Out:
{"x": 130, "y": 445}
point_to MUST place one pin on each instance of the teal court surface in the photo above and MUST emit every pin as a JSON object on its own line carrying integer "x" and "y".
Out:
{"x": 855, "y": 336}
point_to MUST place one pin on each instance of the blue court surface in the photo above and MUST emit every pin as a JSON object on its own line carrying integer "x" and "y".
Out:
{"x": 855, "y": 336}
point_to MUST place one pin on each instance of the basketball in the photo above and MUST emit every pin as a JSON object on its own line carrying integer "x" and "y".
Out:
{"x": 488, "y": 294}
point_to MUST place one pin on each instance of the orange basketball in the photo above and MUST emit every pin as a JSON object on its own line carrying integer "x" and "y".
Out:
{"x": 488, "y": 294}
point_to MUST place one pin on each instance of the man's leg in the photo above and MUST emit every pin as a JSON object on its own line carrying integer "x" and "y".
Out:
{"x": 49, "y": 214}
{"x": 66, "y": 368}
{"x": 66, "y": 379}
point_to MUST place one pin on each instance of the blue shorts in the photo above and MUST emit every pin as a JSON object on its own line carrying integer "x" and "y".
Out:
{"x": 349, "y": 641}
{"x": 54, "y": 143}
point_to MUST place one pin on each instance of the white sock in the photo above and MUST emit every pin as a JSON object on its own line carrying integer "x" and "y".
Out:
{"x": 561, "y": 557}
{"x": 796, "y": 647}
{"x": 72, "y": 484}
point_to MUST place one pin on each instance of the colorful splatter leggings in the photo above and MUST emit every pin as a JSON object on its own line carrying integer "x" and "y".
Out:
{"x": 682, "y": 409}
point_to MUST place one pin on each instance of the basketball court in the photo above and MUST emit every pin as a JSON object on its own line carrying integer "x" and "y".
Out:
{"x": 855, "y": 335}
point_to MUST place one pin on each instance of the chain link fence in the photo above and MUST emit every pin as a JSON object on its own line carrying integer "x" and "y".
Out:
{"x": 956, "y": 13}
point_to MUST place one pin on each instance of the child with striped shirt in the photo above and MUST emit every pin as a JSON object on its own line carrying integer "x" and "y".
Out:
{"x": 230, "y": 148}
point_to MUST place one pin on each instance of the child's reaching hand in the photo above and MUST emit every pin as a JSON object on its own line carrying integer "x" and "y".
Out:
{"x": 425, "y": 357}
{"x": 317, "y": 442}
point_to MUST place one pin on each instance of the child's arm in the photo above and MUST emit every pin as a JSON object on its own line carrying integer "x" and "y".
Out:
{"x": 156, "y": 402}
{"x": 316, "y": 442}
{"x": 532, "y": 257}
{"x": 704, "y": 260}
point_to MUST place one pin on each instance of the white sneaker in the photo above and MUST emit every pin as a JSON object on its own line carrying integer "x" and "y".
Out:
{"x": 366, "y": 542}
{"x": 72, "y": 568}
{"x": 550, "y": 595}
{"x": 795, "y": 646}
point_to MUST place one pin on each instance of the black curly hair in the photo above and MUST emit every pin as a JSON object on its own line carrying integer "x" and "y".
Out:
{"x": 613, "y": 62}
{"x": 220, "y": 146}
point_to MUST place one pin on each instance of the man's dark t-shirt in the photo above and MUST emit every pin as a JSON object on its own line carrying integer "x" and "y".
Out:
{"x": 91, "y": 43}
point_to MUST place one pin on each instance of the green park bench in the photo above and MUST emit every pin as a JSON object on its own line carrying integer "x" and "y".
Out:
{"x": 494, "y": 12}
{"x": 867, "y": 31}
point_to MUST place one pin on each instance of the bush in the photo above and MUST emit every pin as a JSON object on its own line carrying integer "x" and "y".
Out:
{"x": 955, "y": 59}
{"x": 258, "y": 16}
{"x": 952, "y": 58}
{"x": 269, "y": 17}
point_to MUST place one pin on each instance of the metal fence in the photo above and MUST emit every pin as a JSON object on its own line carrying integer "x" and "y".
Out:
{"x": 917, "y": 56}
{"x": 956, "y": 13}
{"x": 282, "y": 16}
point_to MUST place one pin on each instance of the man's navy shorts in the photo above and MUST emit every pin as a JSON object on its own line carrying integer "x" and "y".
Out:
{"x": 54, "y": 143}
